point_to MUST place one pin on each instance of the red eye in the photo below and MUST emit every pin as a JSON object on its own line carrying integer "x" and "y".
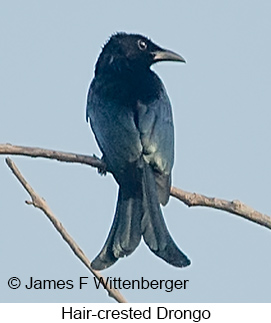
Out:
{"x": 142, "y": 45}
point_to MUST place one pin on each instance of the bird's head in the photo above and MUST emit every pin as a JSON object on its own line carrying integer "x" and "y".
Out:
{"x": 132, "y": 52}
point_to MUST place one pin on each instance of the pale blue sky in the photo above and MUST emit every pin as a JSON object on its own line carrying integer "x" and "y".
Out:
{"x": 221, "y": 102}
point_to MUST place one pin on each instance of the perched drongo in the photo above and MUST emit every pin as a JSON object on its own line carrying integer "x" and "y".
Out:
{"x": 130, "y": 114}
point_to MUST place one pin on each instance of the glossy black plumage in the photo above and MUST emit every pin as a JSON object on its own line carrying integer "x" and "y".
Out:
{"x": 130, "y": 115}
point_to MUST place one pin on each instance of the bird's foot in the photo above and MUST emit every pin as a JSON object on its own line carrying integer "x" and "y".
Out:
{"x": 102, "y": 170}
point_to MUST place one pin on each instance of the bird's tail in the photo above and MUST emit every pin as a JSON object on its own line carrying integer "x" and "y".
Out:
{"x": 154, "y": 229}
{"x": 138, "y": 213}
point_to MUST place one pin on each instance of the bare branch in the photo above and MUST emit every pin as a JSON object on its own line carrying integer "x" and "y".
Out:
{"x": 40, "y": 203}
{"x": 234, "y": 207}
{"x": 190, "y": 199}
{"x": 8, "y": 149}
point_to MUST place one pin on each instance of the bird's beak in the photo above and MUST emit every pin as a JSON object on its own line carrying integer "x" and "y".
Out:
{"x": 166, "y": 55}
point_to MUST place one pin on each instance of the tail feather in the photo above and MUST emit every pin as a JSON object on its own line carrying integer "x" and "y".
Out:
{"x": 128, "y": 232}
{"x": 125, "y": 232}
{"x": 154, "y": 230}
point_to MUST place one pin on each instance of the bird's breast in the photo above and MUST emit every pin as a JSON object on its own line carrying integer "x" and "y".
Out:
{"x": 126, "y": 89}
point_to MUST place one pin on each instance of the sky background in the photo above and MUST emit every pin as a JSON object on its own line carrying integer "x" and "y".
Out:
{"x": 221, "y": 103}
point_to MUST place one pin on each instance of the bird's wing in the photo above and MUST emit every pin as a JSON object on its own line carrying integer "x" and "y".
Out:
{"x": 155, "y": 124}
{"x": 125, "y": 134}
{"x": 115, "y": 131}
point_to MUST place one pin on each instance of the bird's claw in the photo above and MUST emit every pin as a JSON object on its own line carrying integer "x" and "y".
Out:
{"x": 102, "y": 170}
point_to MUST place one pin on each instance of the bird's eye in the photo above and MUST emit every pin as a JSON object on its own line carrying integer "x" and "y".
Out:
{"x": 142, "y": 45}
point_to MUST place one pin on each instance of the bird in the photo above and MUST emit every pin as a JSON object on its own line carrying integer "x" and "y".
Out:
{"x": 130, "y": 114}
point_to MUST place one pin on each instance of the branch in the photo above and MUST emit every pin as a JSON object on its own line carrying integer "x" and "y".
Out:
{"x": 8, "y": 149}
{"x": 234, "y": 207}
{"x": 190, "y": 199}
{"x": 40, "y": 203}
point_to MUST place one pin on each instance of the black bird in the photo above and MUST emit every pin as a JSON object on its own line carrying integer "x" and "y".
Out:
{"x": 130, "y": 114}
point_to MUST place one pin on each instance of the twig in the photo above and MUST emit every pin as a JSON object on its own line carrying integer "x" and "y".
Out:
{"x": 190, "y": 199}
{"x": 234, "y": 207}
{"x": 8, "y": 149}
{"x": 40, "y": 203}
